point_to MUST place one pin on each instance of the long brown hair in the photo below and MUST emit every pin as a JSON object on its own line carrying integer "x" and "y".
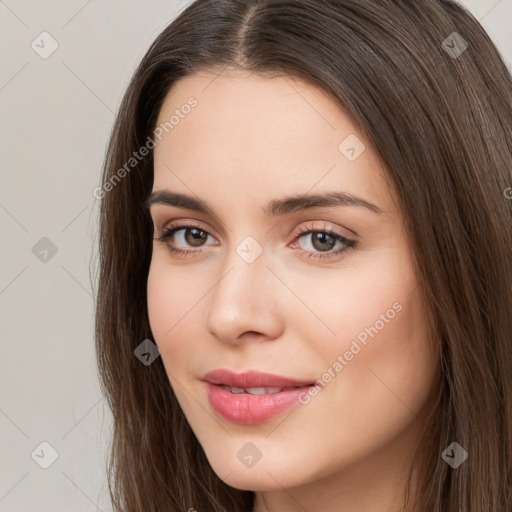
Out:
{"x": 428, "y": 89}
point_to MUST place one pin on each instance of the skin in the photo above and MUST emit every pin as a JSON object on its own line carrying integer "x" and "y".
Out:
{"x": 249, "y": 140}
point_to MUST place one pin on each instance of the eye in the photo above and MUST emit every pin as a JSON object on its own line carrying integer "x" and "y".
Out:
{"x": 322, "y": 240}
{"x": 186, "y": 234}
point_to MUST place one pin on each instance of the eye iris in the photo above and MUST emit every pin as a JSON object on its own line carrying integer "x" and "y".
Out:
{"x": 198, "y": 235}
{"x": 323, "y": 245}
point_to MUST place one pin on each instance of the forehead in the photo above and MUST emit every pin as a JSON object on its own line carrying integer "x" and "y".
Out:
{"x": 259, "y": 134}
{"x": 256, "y": 105}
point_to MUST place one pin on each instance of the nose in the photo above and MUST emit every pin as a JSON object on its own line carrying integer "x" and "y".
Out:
{"x": 245, "y": 302}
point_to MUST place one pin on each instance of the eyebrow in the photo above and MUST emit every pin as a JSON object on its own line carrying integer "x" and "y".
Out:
{"x": 275, "y": 207}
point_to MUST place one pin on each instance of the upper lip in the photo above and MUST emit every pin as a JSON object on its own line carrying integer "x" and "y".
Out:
{"x": 252, "y": 379}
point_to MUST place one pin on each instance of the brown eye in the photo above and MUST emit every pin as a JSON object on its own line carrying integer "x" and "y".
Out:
{"x": 322, "y": 241}
{"x": 184, "y": 240}
{"x": 189, "y": 240}
{"x": 194, "y": 236}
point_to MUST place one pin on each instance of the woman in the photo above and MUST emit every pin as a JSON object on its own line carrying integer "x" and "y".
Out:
{"x": 305, "y": 281}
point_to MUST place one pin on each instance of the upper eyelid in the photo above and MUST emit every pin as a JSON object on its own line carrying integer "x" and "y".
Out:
{"x": 186, "y": 224}
{"x": 162, "y": 208}
{"x": 298, "y": 232}
{"x": 158, "y": 217}
{"x": 332, "y": 255}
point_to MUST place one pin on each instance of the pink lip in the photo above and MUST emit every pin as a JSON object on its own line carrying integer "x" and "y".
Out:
{"x": 246, "y": 408}
{"x": 252, "y": 379}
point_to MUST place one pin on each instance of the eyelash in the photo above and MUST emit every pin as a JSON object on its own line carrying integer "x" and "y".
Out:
{"x": 169, "y": 232}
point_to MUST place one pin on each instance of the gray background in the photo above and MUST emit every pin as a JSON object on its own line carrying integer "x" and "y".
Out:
{"x": 57, "y": 113}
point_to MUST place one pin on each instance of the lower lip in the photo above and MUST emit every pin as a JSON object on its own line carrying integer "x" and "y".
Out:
{"x": 249, "y": 409}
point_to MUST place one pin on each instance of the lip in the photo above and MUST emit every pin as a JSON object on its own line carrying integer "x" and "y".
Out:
{"x": 249, "y": 409}
{"x": 252, "y": 379}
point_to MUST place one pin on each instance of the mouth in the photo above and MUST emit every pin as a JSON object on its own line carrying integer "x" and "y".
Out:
{"x": 259, "y": 390}
{"x": 252, "y": 397}
{"x": 253, "y": 382}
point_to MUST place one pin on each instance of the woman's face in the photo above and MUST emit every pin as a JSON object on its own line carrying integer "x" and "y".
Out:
{"x": 310, "y": 289}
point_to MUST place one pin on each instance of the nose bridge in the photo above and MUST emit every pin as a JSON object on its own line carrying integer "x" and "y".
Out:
{"x": 242, "y": 299}
{"x": 244, "y": 267}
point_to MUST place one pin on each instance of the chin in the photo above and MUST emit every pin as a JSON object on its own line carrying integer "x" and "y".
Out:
{"x": 259, "y": 481}
{"x": 269, "y": 476}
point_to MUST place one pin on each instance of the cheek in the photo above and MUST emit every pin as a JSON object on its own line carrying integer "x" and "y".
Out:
{"x": 176, "y": 310}
{"x": 387, "y": 365}
{"x": 359, "y": 301}
{"x": 161, "y": 303}
{"x": 390, "y": 377}
{"x": 169, "y": 302}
